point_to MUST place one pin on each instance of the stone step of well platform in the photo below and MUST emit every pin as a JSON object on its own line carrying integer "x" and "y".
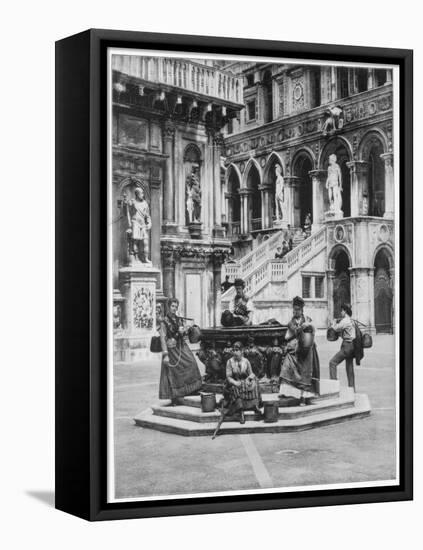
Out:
{"x": 328, "y": 389}
{"x": 194, "y": 414}
{"x": 360, "y": 409}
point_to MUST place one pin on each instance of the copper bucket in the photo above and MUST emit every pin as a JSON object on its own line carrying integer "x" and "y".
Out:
{"x": 271, "y": 411}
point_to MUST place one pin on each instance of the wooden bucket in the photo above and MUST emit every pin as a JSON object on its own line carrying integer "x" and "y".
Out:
{"x": 208, "y": 402}
{"x": 271, "y": 411}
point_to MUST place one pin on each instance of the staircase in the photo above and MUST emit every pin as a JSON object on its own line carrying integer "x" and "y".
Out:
{"x": 333, "y": 405}
{"x": 259, "y": 268}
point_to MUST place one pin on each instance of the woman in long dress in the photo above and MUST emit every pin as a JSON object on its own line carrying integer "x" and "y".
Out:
{"x": 179, "y": 375}
{"x": 241, "y": 390}
{"x": 300, "y": 368}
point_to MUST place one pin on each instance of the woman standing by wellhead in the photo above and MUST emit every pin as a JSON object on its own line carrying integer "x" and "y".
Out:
{"x": 179, "y": 374}
{"x": 300, "y": 369}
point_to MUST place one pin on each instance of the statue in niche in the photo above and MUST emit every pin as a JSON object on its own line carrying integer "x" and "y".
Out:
{"x": 334, "y": 185}
{"x": 334, "y": 120}
{"x": 193, "y": 195}
{"x": 137, "y": 212}
{"x": 279, "y": 193}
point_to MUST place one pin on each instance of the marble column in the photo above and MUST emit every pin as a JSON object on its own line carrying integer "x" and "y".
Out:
{"x": 388, "y": 158}
{"x": 362, "y": 295}
{"x": 265, "y": 205}
{"x": 217, "y": 260}
{"x": 217, "y": 192}
{"x": 359, "y": 188}
{"x": 370, "y": 79}
{"x": 291, "y": 188}
{"x": 330, "y": 276}
{"x": 245, "y": 195}
{"x": 168, "y": 177}
{"x": 318, "y": 181}
{"x": 169, "y": 263}
{"x": 155, "y": 202}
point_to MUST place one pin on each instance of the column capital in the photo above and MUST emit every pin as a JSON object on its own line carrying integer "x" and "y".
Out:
{"x": 388, "y": 158}
{"x": 245, "y": 191}
{"x": 169, "y": 130}
{"x": 292, "y": 180}
{"x": 265, "y": 187}
{"x": 318, "y": 174}
{"x": 358, "y": 166}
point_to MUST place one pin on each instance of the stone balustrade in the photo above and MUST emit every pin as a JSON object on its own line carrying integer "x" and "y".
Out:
{"x": 182, "y": 73}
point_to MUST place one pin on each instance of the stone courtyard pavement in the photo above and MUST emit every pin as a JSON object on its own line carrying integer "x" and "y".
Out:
{"x": 153, "y": 463}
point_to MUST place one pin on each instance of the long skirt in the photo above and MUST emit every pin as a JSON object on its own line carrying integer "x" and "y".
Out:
{"x": 245, "y": 397}
{"x": 181, "y": 379}
{"x": 300, "y": 373}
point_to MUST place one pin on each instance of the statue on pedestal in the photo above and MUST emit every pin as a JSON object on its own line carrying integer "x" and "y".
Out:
{"x": 139, "y": 221}
{"x": 279, "y": 194}
{"x": 334, "y": 185}
{"x": 193, "y": 195}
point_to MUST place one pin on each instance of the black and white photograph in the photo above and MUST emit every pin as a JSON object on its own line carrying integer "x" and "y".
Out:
{"x": 252, "y": 275}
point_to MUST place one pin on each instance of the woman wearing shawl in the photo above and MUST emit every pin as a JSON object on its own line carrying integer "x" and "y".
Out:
{"x": 300, "y": 368}
{"x": 179, "y": 374}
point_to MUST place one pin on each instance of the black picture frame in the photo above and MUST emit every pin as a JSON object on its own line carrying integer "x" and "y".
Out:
{"x": 81, "y": 251}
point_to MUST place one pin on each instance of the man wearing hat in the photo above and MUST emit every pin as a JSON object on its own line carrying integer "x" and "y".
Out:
{"x": 242, "y": 309}
{"x": 346, "y": 328}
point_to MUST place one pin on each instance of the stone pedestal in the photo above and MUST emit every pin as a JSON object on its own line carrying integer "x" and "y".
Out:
{"x": 138, "y": 285}
{"x": 194, "y": 229}
{"x": 333, "y": 215}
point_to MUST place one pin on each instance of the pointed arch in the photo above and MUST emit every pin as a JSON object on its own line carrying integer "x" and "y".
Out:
{"x": 274, "y": 158}
{"x": 250, "y": 164}
{"x": 331, "y": 146}
{"x": 232, "y": 171}
{"x": 300, "y": 154}
{"x": 370, "y": 138}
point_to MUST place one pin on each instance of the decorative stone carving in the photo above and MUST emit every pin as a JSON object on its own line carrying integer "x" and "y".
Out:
{"x": 334, "y": 120}
{"x": 143, "y": 301}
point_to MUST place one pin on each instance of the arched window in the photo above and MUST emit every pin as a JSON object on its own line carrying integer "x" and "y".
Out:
{"x": 383, "y": 294}
{"x": 303, "y": 202}
{"x": 253, "y": 183}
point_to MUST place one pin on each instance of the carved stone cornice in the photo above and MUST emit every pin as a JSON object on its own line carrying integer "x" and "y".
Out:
{"x": 171, "y": 253}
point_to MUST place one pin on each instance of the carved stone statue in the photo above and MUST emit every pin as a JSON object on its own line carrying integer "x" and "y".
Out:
{"x": 139, "y": 222}
{"x": 334, "y": 120}
{"x": 334, "y": 185}
{"x": 193, "y": 195}
{"x": 279, "y": 193}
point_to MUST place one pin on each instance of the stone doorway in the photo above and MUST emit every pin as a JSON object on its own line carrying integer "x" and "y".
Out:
{"x": 383, "y": 294}
{"x": 341, "y": 283}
